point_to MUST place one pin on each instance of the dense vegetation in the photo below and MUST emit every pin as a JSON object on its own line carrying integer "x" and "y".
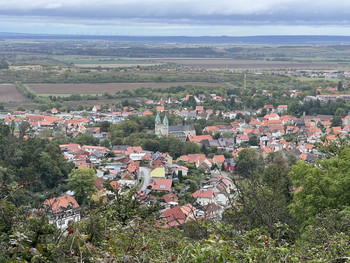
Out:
{"x": 30, "y": 159}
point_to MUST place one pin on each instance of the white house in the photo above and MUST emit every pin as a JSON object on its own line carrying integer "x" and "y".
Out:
{"x": 62, "y": 210}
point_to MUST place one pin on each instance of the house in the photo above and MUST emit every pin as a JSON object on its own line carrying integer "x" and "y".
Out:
{"x": 219, "y": 159}
{"x": 183, "y": 169}
{"x": 189, "y": 210}
{"x": 211, "y": 210}
{"x": 173, "y": 217}
{"x": 62, "y": 210}
{"x": 199, "y": 138}
{"x": 96, "y": 108}
{"x": 161, "y": 185}
{"x": 91, "y": 149}
{"x": 170, "y": 200}
{"x": 158, "y": 172}
{"x": 230, "y": 165}
{"x": 242, "y": 138}
{"x": 204, "y": 196}
{"x": 282, "y": 108}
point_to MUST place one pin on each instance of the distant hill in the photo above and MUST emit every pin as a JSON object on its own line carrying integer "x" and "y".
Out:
{"x": 287, "y": 40}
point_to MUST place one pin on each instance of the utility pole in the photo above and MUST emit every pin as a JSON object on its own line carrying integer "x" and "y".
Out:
{"x": 245, "y": 81}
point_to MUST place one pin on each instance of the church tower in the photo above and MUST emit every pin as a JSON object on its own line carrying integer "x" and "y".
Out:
{"x": 158, "y": 126}
{"x": 165, "y": 128}
{"x": 161, "y": 129}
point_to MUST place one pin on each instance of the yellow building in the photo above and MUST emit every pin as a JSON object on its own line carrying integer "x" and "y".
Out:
{"x": 158, "y": 172}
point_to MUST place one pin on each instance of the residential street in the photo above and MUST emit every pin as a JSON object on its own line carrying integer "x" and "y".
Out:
{"x": 146, "y": 177}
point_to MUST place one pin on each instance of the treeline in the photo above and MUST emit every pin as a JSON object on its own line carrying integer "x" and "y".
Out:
{"x": 4, "y": 64}
{"x": 24, "y": 90}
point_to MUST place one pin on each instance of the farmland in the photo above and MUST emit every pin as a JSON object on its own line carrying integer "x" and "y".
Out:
{"x": 90, "y": 62}
{"x": 234, "y": 64}
{"x": 9, "y": 92}
{"x": 89, "y": 88}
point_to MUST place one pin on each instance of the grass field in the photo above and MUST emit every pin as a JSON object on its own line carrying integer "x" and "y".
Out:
{"x": 88, "y": 88}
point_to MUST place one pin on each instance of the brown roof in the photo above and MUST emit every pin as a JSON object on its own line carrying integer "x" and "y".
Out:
{"x": 99, "y": 183}
{"x": 171, "y": 197}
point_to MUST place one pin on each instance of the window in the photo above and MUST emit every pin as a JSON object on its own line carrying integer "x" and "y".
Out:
{"x": 162, "y": 186}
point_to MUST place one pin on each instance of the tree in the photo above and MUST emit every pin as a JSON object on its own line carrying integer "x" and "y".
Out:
{"x": 81, "y": 181}
{"x": 321, "y": 186}
{"x": 4, "y": 64}
{"x": 104, "y": 126}
{"x": 106, "y": 143}
{"x": 248, "y": 162}
{"x": 180, "y": 176}
{"x": 340, "y": 86}
{"x": 86, "y": 139}
{"x": 336, "y": 121}
{"x": 60, "y": 138}
{"x": 24, "y": 129}
{"x": 253, "y": 140}
{"x": 191, "y": 147}
{"x": 49, "y": 172}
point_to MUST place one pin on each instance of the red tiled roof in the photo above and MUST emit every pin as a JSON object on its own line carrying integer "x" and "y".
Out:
{"x": 199, "y": 138}
{"x": 171, "y": 197}
{"x": 174, "y": 214}
{"x": 219, "y": 158}
{"x": 61, "y": 203}
{"x": 161, "y": 184}
{"x": 204, "y": 194}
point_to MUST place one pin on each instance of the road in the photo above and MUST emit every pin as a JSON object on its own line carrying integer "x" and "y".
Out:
{"x": 146, "y": 177}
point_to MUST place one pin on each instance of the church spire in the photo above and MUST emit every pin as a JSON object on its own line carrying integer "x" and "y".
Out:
{"x": 157, "y": 118}
{"x": 165, "y": 120}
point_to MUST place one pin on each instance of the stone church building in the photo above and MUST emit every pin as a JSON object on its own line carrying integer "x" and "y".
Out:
{"x": 178, "y": 131}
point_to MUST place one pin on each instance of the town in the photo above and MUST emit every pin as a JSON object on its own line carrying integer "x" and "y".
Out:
{"x": 200, "y": 172}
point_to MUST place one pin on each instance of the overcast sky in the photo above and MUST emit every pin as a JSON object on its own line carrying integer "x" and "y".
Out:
{"x": 176, "y": 17}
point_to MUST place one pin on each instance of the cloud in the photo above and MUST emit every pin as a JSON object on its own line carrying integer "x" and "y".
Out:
{"x": 284, "y": 11}
{"x": 176, "y": 15}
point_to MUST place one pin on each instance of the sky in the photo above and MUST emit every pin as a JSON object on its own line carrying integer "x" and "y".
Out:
{"x": 176, "y": 17}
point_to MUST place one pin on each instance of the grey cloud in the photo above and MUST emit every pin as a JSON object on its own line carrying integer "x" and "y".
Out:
{"x": 223, "y": 12}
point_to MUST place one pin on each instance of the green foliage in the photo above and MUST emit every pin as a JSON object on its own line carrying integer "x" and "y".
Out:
{"x": 324, "y": 186}
{"x": 86, "y": 139}
{"x": 81, "y": 181}
{"x": 4, "y": 64}
{"x": 248, "y": 162}
{"x": 32, "y": 159}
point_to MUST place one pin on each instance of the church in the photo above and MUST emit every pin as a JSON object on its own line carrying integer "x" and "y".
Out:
{"x": 178, "y": 131}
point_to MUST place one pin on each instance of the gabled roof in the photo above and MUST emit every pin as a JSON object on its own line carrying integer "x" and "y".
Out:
{"x": 171, "y": 197}
{"x": 99, "y": 183}
{"x": 199, "y": 138}
{"x": 160, "y": 184}
{"x": 61, "y": 203}
{"x": 204, "y": 194}
{"x": 219, "y": 158}
{"x": 174, "y": 214}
